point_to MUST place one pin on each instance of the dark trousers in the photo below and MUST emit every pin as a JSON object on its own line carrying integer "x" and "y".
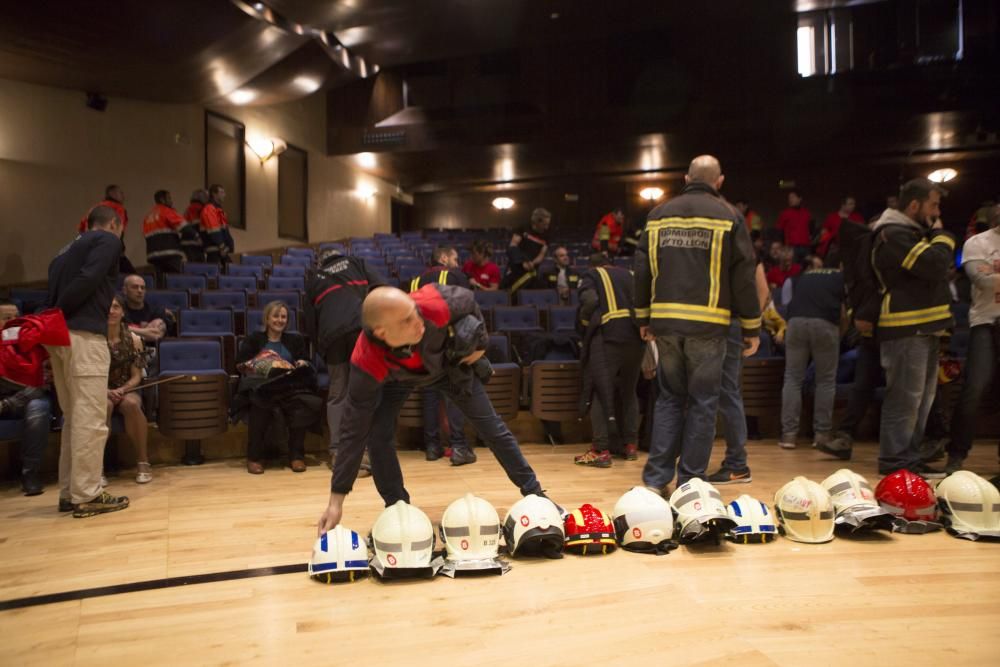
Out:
{"x": 690, "y": 376}
{"x": 477, "y": 410}
{"x": 978, "y": 374}
{"x": 622, "y": 363}
{"x": 734, "y": 420}
{"x": 165, "y": 265}
{"x": 36, "y": 411}
{"x": 432, "y": 422}
{"x": 867, "y": 376}
{"x": 259, "y": 421}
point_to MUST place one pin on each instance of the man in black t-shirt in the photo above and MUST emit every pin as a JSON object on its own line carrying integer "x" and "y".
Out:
{"x": 148, "y": 322}
{"x": 526, "y": 251}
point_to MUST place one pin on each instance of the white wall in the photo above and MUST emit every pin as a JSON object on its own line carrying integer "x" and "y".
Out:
{"x": 56, "y": 156}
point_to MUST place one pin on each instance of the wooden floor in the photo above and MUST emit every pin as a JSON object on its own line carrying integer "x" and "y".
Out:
{"x": 880, "y": 600}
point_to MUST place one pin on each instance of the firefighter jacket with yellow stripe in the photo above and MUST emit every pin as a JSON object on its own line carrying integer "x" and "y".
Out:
{"x": 440, "y": 275}
{"x": 606, "y": 303}
{"x": 525, "y": 250}
{"x": 694, "y": 268}
{"x": 911, "y": 263}
{"x": 550, "y": 278}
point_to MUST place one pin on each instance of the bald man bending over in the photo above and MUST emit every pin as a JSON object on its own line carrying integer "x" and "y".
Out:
{"x": 694, "y": 275}
{"x": 403, "y": 347}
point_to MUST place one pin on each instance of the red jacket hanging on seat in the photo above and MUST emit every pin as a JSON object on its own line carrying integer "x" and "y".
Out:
{"x": 22, "y": 354}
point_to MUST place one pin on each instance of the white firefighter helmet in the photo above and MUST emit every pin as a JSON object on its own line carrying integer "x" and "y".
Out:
{"x": 533, "y": 526}
{"x": 805, "y": 511}
{"x": 970, "y": 505}
{"x": 754, "y": 521}
{"x": 643, "y": 520}
{"x": 470, "y": 529}
{"x": 854, "y": 502}
{"x": 403, "y": 540}
{"x": 338, "y": 555}
{"x": 700, "y": 510}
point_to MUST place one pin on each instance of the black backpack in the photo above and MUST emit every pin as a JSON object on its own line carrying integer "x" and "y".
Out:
{"x": 857, "y": 241}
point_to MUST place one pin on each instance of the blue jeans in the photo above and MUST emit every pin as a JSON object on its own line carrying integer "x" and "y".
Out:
{"x": 432, "y": 422}
{"x": 978, "y": 374}
{"x": 911, "y": 366}
{"x": 818, "y": 339}
{"x": 477, "y": 409}
{"x": 690, "y": 377}
{"x": 734, "y": 420}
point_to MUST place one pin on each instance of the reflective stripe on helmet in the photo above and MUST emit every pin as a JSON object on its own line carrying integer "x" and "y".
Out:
{"x": 837, "y": 488}
{"x": 388, "y": 546}
{"x": 423, "y": 544}
{"x": 457, "y": 531}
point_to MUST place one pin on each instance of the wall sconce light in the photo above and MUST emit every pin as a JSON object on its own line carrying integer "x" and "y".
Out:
{"x": 503, "y": 203}
{"x": 651, "y": 194}
{"x": 942, "y": 175}
{"x": 365, "y": 192}
{"x": 265, "y": 149}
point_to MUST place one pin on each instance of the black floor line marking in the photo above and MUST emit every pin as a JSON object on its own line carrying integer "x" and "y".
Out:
{"x": 154, "y": 584}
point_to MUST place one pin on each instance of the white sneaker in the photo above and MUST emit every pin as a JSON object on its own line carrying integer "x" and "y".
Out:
{"x": 786, "y": 445}
{"x": 143, "y": 473}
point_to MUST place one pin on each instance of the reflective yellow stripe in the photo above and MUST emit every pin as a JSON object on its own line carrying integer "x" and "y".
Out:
{"x": 909, "y": 318}
{"x": 604, "y": 233}
{"x": 614, "y": 312}
{"x": 585, "y": 323}
{"x": 947, "y": 240}
{"x": 443, "y": 278}
{"x": 642, "y": 312}
{"x": 915, "y": 251}
{"x": 885, "y": 303}
{"x": 687, "y": 311}
{"x": 750, "y": 324}
{"x": 691, "y": 223}
{"x": 654, "y": 268}
{"x": 715, "y": 269}
{"x": 521, "y": 281}
{"x": 415, "y": 284}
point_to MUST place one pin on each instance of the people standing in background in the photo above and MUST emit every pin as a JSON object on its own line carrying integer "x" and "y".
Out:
{"x": 215, "y": 228}
{"x": 82, "y": 284}
{"x": 114, "y": 198}
{"x": 755, "y": 223}
{"x": 481, "y": 271}
{"x": 526, "y": 251}
{"x": 892, "y": 201}
{"x": 562, "y": 277}
{"x": 191, "y": 231}
{"x": 796, "y": 223}
{"x": 162, "y": 229}
{"x": 829, "y": 239}
{"x": 608, "y": 234}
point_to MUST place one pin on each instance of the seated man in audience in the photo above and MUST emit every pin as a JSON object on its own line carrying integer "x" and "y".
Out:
{"x": 146, "y": 321}
{"x": 526, "y": 251}
{"x": 562, "y": 277}
{"x": 786, "y": 268}
{"x": 404, "y": 346}
{"x": 443, "y": 271}
{"x": 30, "y": 403}
{"x": 481, "y": 271}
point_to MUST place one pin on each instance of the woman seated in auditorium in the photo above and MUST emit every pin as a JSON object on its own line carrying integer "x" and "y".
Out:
{"x": 125, "y": 374}
{"x": 274, "y": 393}
{"x": 482, "y": 272}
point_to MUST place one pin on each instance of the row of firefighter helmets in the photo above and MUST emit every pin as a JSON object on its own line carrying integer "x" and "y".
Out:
{"x": 402, "y": 540}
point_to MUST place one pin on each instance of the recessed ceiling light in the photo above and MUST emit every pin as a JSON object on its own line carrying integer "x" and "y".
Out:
{"x": 503, "y": 203}
{"x": 242, "y": 96}
{"x": 366, "y": 160}
{"x": 651, "y": 194}
{"x": 942, "y": 175}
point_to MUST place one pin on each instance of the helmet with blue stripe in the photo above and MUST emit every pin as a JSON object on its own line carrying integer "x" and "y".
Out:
{"x": 338, "y": 555}
{"x": 754, "y": 521}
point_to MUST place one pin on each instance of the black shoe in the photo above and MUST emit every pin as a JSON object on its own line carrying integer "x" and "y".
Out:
{"x": 727, "y": 476}
{"x": 831, "y": 448}
{"x": 461, "y": 457}
{"x": 31, "y": 485}
{"x": 433, "y": 453}
{"x": 954, "y": 464}
{"x": 928, "y": 472}
{"x": 933, "y": 449}
{"x": 65, "y": 505}
{"x": 193, "y": 460}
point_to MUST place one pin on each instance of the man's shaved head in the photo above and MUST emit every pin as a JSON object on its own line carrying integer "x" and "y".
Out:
{"x": 391, "y": 315}
{"x": 704, "y": 169}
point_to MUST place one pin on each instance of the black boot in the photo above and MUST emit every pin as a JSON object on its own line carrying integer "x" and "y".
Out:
{"x": 461, "y": 457}
{"x": 192, "y": 453}
{"x": 31, "y": 484}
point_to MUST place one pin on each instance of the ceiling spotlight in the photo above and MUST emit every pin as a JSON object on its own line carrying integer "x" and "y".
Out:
{"x": 259, "y": 6}
{"x": 942, "y": 175}
{"x": 265, "y": 149}
{"x": 242, "y": 96}
{"x": 651, "y": 194}
{"x": 503, "y": 203}
{"x": 307, "y": 84}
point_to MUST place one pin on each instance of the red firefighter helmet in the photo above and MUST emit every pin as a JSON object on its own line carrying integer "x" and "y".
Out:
{"x": 590, "y": 531}
{"x": 908, "y": 495}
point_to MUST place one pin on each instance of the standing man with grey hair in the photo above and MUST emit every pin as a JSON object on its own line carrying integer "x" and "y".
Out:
{"x": 981, "y": 261}
{"x": 911, "y": 255}
{"x": 694, "y": 273}
{"x": 526, "y": 251}
{"x": 82, "y": 284}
